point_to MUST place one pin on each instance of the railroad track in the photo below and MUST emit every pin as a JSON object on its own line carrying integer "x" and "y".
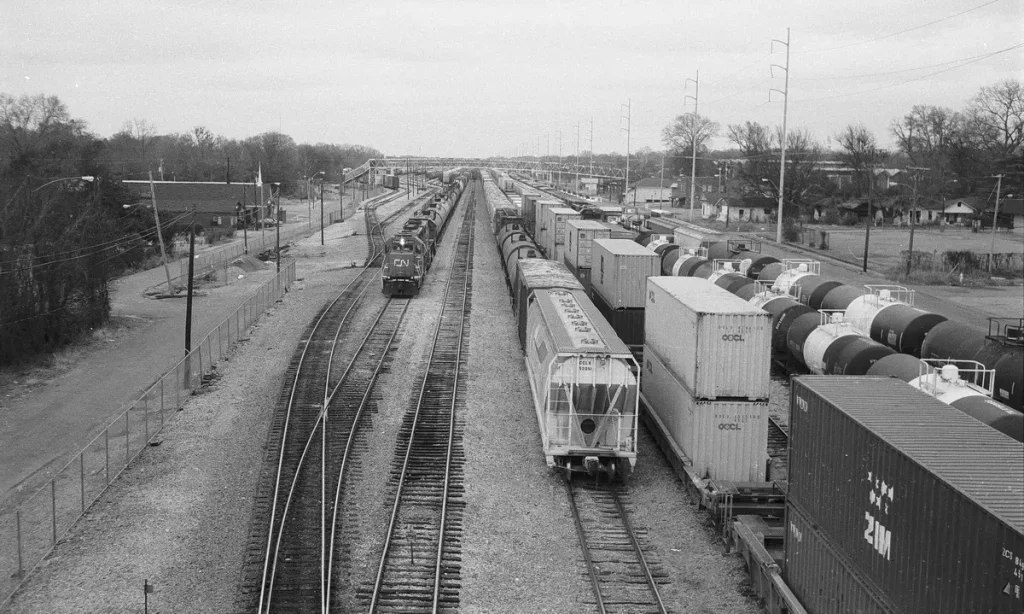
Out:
{"x": 622, "y": 577}
{"x": 288, "y": 563}
{"x": 778, "y": 439}
{"x": 419, "y": 567}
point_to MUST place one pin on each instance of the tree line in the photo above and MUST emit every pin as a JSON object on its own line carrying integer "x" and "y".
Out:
{"x": 68, "y": 227}
{"x": 951, "y": 153}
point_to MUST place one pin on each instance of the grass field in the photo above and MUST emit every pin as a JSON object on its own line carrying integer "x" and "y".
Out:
{"x": 887, "y": 243}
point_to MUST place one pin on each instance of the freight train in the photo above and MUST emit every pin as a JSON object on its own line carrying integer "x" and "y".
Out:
{"x": 818, "y": 325}
{"x": 409, "y": 253}
{"x": 878, "y": 470}
{"x": 584, "y": 380}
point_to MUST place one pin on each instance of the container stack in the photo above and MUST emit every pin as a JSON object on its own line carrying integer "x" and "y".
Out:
{"x": 543, "y": 234}
{"x": 900, "y": 503}
{"x": 619, "y": 272}
{"x": 530, "y": 211}
{"x": 706, "y": 369}
{"x": 579, "y": 243}
{"x": 553, "y": 224}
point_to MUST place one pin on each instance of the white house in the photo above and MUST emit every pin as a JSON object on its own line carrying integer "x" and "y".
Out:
{"x": 959, "y": 210}
{"x": 650, "y": 190}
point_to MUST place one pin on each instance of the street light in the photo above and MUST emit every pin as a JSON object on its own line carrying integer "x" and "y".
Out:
{"x": 88, "y": 178}
{"x": 320, "y": 175}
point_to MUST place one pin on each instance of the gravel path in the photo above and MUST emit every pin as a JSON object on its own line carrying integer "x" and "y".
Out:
{"x": 179, "y": 515}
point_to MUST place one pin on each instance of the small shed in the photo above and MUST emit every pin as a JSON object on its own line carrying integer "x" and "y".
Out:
{"x": 1013, "y": 208}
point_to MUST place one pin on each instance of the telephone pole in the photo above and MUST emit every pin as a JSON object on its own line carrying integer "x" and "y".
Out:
{"x": 995, "y": 224}
{"x": 629, "y": 119}
{"x": 785, "y": 114}
{"x": 693, "y": 135}
{"x": 591, "y": 144}
{"x": 577, "y": 184}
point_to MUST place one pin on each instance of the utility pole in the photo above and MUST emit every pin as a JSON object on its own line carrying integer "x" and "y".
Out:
{"x": 160, "y": 234}
{"x": 693, "y": 135}
{"x": 629, "y": 119}
{"x": 661, "y": 190}
{"x": 913, "y": 214}
{"x": 191, "y": 270}
{"x": 591, "y": 144}
{"x": 278, "y": 226}
{"x": 867, "y": 228}
{"x": 559, "y": 158}
{"x": 322, "y": 209}
{"x": 577, "y": 185}
{"x": 995, "y": 223}
{"x": 785, "y": 116}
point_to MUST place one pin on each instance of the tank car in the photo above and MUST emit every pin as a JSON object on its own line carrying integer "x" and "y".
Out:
{"x": 585, "y": 390}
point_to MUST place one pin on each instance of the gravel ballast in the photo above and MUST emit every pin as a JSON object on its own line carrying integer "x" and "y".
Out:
{"x": 179, "y": 516}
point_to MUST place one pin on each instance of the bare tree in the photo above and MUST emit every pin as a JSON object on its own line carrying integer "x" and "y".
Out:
{"x": 679, "y": 136}
{"x": 37, "y": 134}
{"x": 923, "y": 134}
{"x": 760, "y": 146}
{"x": 997, "y": 113}
{"x": 142, "y": 132}
{"x": 861, "y": 152}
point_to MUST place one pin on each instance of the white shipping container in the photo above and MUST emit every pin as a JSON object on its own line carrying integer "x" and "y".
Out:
{"x": 541, "y": 231}
{"x": 717, "y": 344}
{"x": 724, "y": 440}
{"x": 579, "y": 238}
{"x": 554, "y": 223}
{"x": 619, "y": 272}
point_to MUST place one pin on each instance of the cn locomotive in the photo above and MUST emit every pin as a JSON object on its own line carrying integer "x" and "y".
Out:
{"x": 409, "y": 253}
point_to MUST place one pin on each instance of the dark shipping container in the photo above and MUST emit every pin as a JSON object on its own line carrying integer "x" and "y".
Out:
{"x": 627, "y": 323}
{"x": 820, "y": 576}
{"x": 926, "y": 502}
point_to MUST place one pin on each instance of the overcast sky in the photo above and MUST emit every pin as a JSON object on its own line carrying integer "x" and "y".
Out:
{"x": 482, "y": 78}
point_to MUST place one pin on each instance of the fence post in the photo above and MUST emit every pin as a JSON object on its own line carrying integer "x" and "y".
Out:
{"x": 106, "y": 454}
{"x": 161, "y": 402}
{"x": 177, "y": 386}
{"x": 127, "y": 448}
{"x": 146, "y": 417}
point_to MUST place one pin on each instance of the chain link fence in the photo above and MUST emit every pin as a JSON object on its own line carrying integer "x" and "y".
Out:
{"x": 31, "y": 530}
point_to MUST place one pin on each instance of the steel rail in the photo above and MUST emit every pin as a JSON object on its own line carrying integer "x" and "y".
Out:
{"x": 319, "y": 425}
{"x": 264, "y": 595}
{"x": 410, "y": 444}
{"x": 639, "y": 551}
{"x": 587, "y": 557}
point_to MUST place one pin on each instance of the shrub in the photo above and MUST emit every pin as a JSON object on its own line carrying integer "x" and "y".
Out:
{"x": 213, "y": 235}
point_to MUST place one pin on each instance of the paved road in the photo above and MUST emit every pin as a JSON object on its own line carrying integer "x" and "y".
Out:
{"x": 42, "y": 430}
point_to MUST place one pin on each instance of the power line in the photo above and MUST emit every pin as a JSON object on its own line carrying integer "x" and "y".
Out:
{"x": 895, "y": 72}
{"x": 97, "y": 249}
{"x": 925, "y": 25}
{"x": 932, "y": 74}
